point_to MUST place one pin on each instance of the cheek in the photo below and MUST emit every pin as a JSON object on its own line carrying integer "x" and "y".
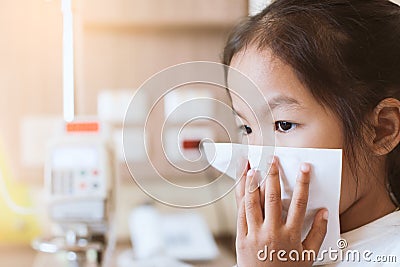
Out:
{"x": 326, "y": 136}
{"x": 348, "y": 187}
{"x": 313, "y": 135}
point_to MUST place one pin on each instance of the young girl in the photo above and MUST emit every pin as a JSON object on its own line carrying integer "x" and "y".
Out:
{"x": 332, "y": 69}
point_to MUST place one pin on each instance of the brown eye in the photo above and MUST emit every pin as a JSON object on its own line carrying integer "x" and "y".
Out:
{"x": 247, "y": 129}
{"x": 285, "y": 126}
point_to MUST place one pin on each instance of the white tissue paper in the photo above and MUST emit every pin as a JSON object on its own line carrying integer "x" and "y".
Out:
{"x": 324, "y": 183}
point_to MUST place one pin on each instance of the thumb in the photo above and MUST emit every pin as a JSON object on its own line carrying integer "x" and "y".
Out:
{"x": 317, "y": 233}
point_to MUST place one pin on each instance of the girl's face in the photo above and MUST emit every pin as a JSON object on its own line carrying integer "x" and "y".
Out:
{"x": 299, "y": 119}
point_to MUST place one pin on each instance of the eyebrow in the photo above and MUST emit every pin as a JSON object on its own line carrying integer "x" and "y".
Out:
{"x": 286, "y": 101}
{"x": 277, "y": 102}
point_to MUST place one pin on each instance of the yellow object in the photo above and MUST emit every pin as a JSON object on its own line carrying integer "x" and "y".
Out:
{"x": 17, "y": 226}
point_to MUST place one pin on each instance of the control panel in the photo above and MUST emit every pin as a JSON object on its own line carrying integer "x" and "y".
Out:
{"x": 78, "y": 175}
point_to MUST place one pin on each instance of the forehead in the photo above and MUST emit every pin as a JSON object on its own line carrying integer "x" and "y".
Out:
{"x": 273, "y": 77}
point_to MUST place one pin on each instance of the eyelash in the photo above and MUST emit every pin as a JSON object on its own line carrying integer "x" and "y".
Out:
{"x": 246, "y": 129}
{"x": 278, "y": 127}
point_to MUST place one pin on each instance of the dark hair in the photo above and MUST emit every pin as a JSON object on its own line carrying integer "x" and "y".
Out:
{"x": 347, "y": 52}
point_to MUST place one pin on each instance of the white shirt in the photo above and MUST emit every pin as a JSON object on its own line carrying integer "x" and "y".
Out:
{"x": 376, "y": 244}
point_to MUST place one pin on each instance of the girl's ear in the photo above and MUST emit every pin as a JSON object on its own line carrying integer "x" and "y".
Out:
{"x": 386, "y": 126}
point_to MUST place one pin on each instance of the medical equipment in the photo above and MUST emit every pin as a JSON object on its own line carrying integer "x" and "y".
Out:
{"x": 68, "y": 60}
{"x": 161, "y": 239}
{"x": 79, "y": 183}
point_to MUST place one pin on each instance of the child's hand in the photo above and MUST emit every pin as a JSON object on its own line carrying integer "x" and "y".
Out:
{"x": 260, "y": 224}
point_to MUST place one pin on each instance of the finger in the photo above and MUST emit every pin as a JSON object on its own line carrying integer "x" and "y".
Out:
{"x": 241, "y": 223}
{"x": 242, "y": 168}
{"x": 317, "y": 233}
{"x": 298, "y": 205}
{"x": 263, "y": 186}
{"x": 273, "y": 202}
{"x": 262, "y": 194}
{"x": 252, "y": 201}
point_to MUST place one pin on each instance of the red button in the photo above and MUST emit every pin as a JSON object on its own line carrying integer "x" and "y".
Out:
{"x": 95, "y": 172}
{"x": 191, "y": 144}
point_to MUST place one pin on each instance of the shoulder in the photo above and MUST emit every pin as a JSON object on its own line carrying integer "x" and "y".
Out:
{"x": 375, "y": 244}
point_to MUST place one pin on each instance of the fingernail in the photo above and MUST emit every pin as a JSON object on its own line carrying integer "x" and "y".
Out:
{"x": 305, "y": 167}
{"x": 272, "y": 160}
{"x": 251, "y": 173}
{"x": 325, "y": 215}
{"x": 254, "y": 182}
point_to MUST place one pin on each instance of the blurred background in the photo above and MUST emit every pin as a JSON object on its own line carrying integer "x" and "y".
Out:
{"x": 117, "y": 44}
